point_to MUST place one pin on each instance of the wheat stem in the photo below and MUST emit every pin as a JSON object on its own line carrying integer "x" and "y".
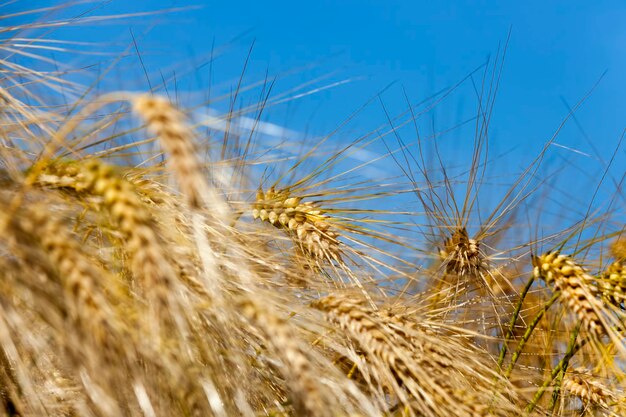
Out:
{"x": 528, "y": 333}
{"x": 513, "y": 320}
{"x": 572, "y": 348}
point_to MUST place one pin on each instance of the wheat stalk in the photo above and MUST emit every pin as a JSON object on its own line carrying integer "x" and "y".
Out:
{"x": 176, "y": 136}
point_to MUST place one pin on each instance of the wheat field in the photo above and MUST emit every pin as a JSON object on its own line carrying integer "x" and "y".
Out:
{"x": 150, "y": 269}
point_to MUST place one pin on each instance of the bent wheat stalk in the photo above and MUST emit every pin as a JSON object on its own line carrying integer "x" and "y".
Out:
{"x": 176, "y": 136}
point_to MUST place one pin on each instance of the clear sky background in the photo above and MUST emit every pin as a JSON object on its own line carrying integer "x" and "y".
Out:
{"x": 557, "y": 51}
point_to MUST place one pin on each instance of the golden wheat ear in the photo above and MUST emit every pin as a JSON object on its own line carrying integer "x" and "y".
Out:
{"x": 306, "y": 223}
{"x": 416, "y": 366}
{"x": 177, "y": 138}
{"x": 148, "y": 257}
{"x": 618, "y": 247}
{"x": 462, "y": 256}
{"x": 575, "y": 287}
{"x": 308, "y": 396}
{"x": 93, "y": 340}
{"x": 77, "y": 272}
{"x": 581, "y": 383}
{"x": 612, "y": 284}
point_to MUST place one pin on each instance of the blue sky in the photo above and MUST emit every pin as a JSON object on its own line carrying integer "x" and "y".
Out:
{"x": 557, "y": 49}
{"x": 556, "y": 53}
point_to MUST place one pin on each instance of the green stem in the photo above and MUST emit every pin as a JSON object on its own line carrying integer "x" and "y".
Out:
{"x": 509, "y": 332}
{"x": 572, "y": 348}
{"x": 556, "y": 390}
{"x": 528, "y": 333}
